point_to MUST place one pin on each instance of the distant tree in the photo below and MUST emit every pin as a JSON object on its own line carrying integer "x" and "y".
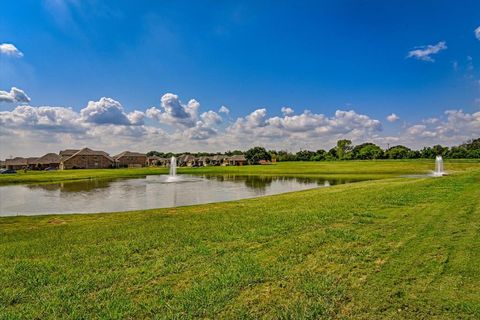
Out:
{"x": 332, "y": 154}
{"x": 457, "y": 153}
{"x": 397, "y": 152}
{"x": 153, "y": 153}
{"x": 473, "y": 154}
{"x": 233, "y": 153}
{"x": 438, "y": 150}
{"x": 285, "y": 156}
{"x": 273, "y": 154}
{"x": 367, "y": 151}
{"x": 254, "y": 155}
{"x": 473, "y": 148}
{"x": 159, "y": 154}
{"x": 427, "y": 153}
{"x": 344, "y": 146}
{"x": 305, "y": 155}
{"x": 414, "y": 154}
{"x": 320, "y": 155}
{"x": 473, "y": 144}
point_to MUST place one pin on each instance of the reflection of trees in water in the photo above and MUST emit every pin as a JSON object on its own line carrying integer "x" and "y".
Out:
{"x": 259, "y": 182}
{"x": 74, "y": 186}
{"x": 255, "y": 182}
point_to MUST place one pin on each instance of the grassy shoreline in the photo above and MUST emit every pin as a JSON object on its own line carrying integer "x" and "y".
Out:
{"x": 346, "y": 169}
{"x": 386, "y": 249}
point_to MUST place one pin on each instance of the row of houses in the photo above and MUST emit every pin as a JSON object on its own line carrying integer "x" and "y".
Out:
{"x": 78, "y": 159}
{"x": 188, "y": 160}
{"x": 91, "y": 159}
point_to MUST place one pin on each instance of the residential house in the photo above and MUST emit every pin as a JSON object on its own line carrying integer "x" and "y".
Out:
{"x": 217, "y": 160}
{"x": 87, "y": 159}
{"x": 67, "y": 153}
{"x": 129, "y": 159}
{"x": 264, "y": 162}
{"x": 164, "y": 162}
{"x": 50, "y": 160}
{"x": 203, "y": 161}
{"x": 237, "y": 160}
{"x": 16, "y": 163}
{"x": 186, "y": 160}
{"x": 153, "y": 161}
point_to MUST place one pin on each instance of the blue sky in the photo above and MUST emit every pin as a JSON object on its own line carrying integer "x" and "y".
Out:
{"x": 322, "y": 56}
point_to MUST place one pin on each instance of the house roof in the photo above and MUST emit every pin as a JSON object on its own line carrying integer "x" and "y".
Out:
{"x": 89, "y": 152}
{"x": 32, "y": 160}
{"x": 238, "y": 157}
{"x": 129, "y": 154}
{"x": 186, "y": 157}
{"x": 16, "y": 161}
{"x": 49, "y": 158}
{"x": 68, "y": 152}
{"x": 218, "y": 157}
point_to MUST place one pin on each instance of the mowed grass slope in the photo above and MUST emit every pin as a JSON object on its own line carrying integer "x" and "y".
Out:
{"x": 342, "y": 169}
{"x": 386, "y": 249}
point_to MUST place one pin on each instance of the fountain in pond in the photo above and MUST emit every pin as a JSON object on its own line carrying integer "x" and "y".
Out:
{"x": 172, "y": 177}
{"x": 438, "y": 167}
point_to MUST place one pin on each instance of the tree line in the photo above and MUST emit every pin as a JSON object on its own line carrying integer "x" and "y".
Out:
{"x": 345, "y": 150}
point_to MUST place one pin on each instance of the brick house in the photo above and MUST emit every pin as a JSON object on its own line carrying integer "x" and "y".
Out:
{"x": 67, "y": 153}
{"x": 16, "y": 163}
{"x": 237, "y": 160}
{"x": 86, "y": 159}
{"x": 186, "y": 160}
{"x": 217, "y": 160}
{"x": 50, "y": 160}
{"x": 129, "y": 159}
{"x": 19, "y": 163}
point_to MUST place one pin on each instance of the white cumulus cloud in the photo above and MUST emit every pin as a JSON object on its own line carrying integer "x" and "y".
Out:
{"x": 175, "y": 112}
{"x": 287, "y": 111}
{"x": 105, "y": 111}
{"x": 104, "y": 124}
{"x": 9, "y": 49}
{"x": 393, "y": 117}
{"x": 15, "y": 95}
{"x": 424, "y": 53}
{"x": 477, "y": 33}
{"x": 224, "y": 109}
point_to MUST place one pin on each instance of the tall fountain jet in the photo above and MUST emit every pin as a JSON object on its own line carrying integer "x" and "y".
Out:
{"x": 439, "y": 166}
{"x": 172, "y": 177}
{"x": 173, "y": 166}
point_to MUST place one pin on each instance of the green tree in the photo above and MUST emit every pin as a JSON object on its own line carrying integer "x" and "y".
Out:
{"x": 305, "y": 155}
{"x": 457, "y": 153}
{"x": 398, "y": 152}
{"x": 438, "y": 150}
{"x": 473, "y": 144}
{"x": 344, "y": 146}
{"x": 285, "y": 156}
{"x": 320, "y": 155}
{"x": 254, "y": 155}
{"x": 331, "y": 154}
{"x": 367, "y": 151}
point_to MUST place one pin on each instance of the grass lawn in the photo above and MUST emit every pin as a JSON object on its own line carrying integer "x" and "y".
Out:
{"x": 337, "y": 169}
{"x": 397, "y": 248}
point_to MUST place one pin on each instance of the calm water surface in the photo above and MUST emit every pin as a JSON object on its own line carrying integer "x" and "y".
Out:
{"x": 103, "y": 195}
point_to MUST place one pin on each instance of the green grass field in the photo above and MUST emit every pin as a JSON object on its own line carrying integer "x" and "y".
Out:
{"x": 396, "y": 248}
{"x": 345, "y": 169}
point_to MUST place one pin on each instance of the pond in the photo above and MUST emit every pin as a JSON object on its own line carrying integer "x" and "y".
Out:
{"x": 105, "y": 195}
